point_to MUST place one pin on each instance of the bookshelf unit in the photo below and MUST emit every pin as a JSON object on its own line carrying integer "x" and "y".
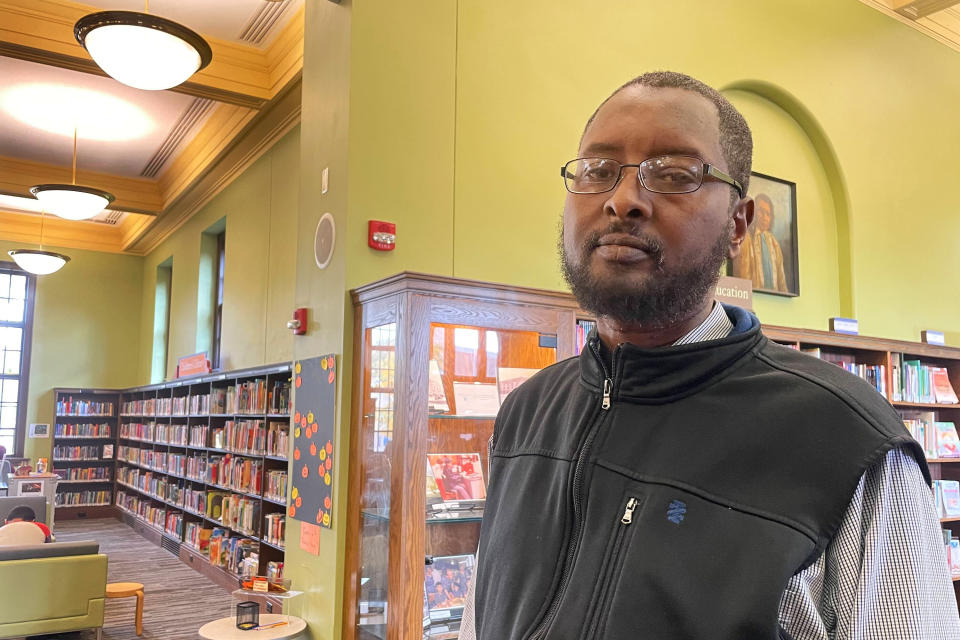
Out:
{"x": 195, "y": 450}
{"x": 405, "y": 321}
{"x": 83, "y": 452}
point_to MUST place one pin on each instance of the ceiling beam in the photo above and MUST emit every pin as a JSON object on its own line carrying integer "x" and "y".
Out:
{"x": 137, "y": 195}
{"x": 915, "y": 9}
{"x": 42, "y": 31}
{"x": 61, "y": 234}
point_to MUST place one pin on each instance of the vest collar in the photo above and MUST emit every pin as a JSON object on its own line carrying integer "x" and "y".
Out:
{"x": 663, "y": 373}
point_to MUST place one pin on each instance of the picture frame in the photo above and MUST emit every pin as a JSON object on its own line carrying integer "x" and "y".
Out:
{"x": 39, "y": 430}
{"x": 769, "y": 255}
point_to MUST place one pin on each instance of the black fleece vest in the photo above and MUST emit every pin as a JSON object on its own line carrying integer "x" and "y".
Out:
{"x": 719, "y": 470}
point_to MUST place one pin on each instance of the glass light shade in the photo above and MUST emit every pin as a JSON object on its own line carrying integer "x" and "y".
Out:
{"x": 38, "y": 262}
{"x": 71, "y": 201}
{"x": 142, "y": 50}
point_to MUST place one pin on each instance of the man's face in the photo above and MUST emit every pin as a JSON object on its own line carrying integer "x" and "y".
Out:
{"x": 640, "y": 257}
{"x": 764, "y": 216}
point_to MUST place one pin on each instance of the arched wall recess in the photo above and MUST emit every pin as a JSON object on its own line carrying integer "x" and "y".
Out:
{"x": 834, "y": 172}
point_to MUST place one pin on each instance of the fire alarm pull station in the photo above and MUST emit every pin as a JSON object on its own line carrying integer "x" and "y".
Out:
{"x": 382, "y": 236}
{"x": 299, "y": 323}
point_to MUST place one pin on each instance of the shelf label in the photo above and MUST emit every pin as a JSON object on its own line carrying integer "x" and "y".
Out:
{"x": 193, "y": 365}
{"x": 933, "y": 337}
{"x": 845, "y": 325}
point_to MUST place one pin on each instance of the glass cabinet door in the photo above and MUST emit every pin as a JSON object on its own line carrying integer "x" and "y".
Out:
{"x": 380, "y": 363}
{"x": 471, "y": 371}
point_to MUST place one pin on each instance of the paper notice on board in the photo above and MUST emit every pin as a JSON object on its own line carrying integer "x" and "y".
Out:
{"x": 310, "y": 538}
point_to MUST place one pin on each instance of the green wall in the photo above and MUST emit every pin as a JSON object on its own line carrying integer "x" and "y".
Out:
{"x": 86, "y": 317}
{"x": 260, "y": 209}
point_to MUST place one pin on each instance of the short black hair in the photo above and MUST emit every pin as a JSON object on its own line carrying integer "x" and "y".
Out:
{"x": 736, "y": 141}
{"x": 22, "y": 512}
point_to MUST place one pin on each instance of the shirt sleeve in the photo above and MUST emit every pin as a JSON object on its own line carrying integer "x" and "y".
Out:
{"x": 884, "y": 576}
{"x": 468, "y": 628}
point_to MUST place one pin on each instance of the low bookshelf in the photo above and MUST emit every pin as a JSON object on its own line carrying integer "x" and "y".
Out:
{"x": 202, "y": 468}
{"x": 84, "y": 442}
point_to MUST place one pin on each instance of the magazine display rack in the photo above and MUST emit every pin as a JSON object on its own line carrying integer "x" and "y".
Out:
{"x": 433, "y": 359}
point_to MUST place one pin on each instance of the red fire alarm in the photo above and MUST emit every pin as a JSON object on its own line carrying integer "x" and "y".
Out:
{"x": 382, "y": 235}
{"x": 299, "y": 322}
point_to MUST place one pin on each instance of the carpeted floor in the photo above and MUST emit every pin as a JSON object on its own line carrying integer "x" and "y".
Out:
{"x": 177, "y": 599}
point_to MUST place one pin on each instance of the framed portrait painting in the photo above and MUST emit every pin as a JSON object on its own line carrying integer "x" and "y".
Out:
{"x": 768, "y": 256}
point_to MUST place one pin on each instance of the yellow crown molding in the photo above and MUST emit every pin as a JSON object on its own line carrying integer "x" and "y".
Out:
{"x": 943, "y": 26}
{"x": 42, "y": 31}
{"x": 258, "y": 135}
{"x": 59, "y": 233}
{"x": 131, "y": 227}
{"x": 285, "y": 54}
{"x": 218, "y": 131}
{"x": 133, "y": 194}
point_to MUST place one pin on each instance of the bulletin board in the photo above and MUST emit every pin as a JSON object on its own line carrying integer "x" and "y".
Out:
{"x": 314, "y": 418}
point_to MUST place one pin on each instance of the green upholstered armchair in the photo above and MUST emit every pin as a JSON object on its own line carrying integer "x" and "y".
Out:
{"x": 52, "y": 588}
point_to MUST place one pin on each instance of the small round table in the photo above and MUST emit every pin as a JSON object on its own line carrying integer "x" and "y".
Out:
{"x": 126, "y": 590}
{"x": 226, "y": 628}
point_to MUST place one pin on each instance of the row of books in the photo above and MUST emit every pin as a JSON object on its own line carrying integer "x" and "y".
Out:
{"x": 87, "y": 497}
{"x": 240, "y": 513}
{"x": 274, "y": 525}
{"x": 237, "y": 555}
{"x": 938, "y": 438}
{"x": 197, "y": 535}
{"x": 952, "y": 548}
{"x": 82, "y": 430}
{"x": 198, "y": 435}
{"x": 278, "y": 439}
{"x": 200, "y": 404}
{"x": 174, "y": 524}
{"x": 244, "y": 397}
{"x": 85, "y": 452}
{"x": 584, "y": 327}
{"x": 70, "y": 407}
{"x": 175, "y": 434}
{"x": 946, "y": 497}
{"x": 914, "y": 381}
{"x": 195, "y": 500}
{"x": 139, "y": 430}
{"x": 276, "y": 485}
{"x": 240, "y": 474}
{"x": 241, "y": 436}
{"x": 84, "y": 473}
{"x": 177, "y": 463}
{"x": 876, "y": 375}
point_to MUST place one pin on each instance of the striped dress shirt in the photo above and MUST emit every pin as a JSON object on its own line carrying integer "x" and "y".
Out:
{"x": 884, "y": 576}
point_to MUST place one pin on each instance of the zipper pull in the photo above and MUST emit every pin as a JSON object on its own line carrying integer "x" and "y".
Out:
{"x": 607, "y": 387}
{"x": 628, "y": 511}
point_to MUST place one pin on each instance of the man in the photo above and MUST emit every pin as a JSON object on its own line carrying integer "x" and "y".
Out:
{"x": 24, "y": 513}
{"x": 647, "y": 488}
{"x": 767, "y": 270}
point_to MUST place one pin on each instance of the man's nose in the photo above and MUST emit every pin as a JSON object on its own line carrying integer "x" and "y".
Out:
{"x": 629, "y": 199}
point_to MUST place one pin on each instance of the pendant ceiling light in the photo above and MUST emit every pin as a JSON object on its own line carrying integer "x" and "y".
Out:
{"x": 72, "y": 201}
{"x": 142, "y": 50}
{"x": 38, "y": 261}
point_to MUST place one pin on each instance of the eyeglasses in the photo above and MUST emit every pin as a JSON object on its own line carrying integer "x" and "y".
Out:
{"x": 663, "y": 174}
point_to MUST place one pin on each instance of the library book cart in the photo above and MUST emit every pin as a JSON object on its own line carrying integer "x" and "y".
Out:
{"x": 433, "y": 358}
{"x": 200, "y": 466}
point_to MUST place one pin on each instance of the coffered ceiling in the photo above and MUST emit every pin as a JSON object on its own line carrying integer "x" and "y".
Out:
{"x": 163, "y": 154}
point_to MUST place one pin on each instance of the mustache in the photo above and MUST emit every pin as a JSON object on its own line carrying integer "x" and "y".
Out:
{"x": 645, "y": 241}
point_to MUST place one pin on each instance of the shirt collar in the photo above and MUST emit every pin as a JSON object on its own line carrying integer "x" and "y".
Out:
{"x": 717, "y": 325}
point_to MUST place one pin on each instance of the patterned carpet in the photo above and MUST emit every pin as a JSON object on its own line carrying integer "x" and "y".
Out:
{"x": 177, "y": 599}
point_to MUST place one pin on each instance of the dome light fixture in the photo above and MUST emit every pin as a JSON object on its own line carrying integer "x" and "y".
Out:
{"x": 38, "y": 261}
{"x": 72, "y": 201}
{"x": 142, "y": 50}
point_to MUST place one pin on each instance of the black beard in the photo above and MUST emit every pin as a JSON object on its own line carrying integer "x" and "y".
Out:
{"x": 663, "y": 300}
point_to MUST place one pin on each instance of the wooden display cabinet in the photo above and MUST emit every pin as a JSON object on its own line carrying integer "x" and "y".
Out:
{"x": 431, "y": 354}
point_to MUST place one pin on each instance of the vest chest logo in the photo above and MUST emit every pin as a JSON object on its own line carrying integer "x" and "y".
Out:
{"x": 676, "y": 511}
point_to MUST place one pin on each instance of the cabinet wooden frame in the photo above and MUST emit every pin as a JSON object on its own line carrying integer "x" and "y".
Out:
{"x": 414, "y": 301}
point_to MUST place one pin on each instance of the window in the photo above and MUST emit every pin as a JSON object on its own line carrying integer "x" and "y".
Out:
{"x": 17, "y": 292}
{"x": 161, "y": 321}
{"x": 218, "y": 304}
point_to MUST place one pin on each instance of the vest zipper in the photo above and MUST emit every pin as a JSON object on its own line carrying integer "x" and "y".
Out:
{"x": 539, "y": 633}
{"x": 609, "y": 568}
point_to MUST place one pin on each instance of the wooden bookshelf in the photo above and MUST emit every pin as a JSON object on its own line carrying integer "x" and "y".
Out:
{"x": 84, "y": 431}
{"x": 395, "y": 333}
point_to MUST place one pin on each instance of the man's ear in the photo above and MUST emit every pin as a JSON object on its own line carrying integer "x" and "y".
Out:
{"x": 742, "y": 219}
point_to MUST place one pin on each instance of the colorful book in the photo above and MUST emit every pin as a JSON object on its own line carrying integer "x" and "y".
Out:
{"x": 942, "y": 389}
{"x": 950, "y": 492}
{"x": 948, "y": 444}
